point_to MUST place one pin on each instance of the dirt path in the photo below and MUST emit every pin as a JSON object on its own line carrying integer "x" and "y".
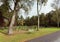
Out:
{"x": 47, "y": 38}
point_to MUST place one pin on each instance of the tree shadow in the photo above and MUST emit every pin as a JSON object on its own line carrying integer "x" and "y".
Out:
{"x": 3, "y": 32}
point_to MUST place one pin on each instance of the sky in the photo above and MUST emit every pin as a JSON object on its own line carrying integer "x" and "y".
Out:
{"x": 33, "y": 12}
{"x": 1, "y": 3}
{"x": 45, "y": 9}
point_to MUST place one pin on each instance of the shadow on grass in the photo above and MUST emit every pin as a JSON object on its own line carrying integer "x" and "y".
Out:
{"x": 3, "y": 32}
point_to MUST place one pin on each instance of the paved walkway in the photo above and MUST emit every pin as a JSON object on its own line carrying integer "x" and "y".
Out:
{"x": 54, "y": 37}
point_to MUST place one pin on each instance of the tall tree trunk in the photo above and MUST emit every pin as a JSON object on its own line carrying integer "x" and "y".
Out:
{"x": 10, "y": 30}
{"x": 38, "y": 15}
{"x": 57, "y": 18}
{"x": 16, "y": 9}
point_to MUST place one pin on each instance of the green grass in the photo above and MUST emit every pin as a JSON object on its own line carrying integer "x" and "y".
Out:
{"x": 25, "y": 36}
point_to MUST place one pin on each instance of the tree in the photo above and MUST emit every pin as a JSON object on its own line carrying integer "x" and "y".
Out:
{"x": 42, "y": 19}
{"x": 55, "y": 5}
{"x": 21, "y": 21}
{"x": 48, "y": 19}
{"x": 41, "y": 2}
{"x": 16, "y": 8}
{"x": 18, "y": 4}
{"x": 4, "y": 11}
{"x": 1, "y": 19}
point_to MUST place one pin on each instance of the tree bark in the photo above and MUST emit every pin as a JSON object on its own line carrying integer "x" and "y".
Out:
{"x": 57, "y": 18}
{"x": 10, "y": 29}
{"x": 38, "y": 15}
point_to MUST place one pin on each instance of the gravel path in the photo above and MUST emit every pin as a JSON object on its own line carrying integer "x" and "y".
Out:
{"x": 54, "y": 37}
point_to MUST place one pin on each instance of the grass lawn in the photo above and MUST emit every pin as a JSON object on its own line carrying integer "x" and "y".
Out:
{"x": 21, "y": 37}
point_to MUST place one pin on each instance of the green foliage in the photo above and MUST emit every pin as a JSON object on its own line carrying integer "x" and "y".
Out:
{"x": 50, "y": 19}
